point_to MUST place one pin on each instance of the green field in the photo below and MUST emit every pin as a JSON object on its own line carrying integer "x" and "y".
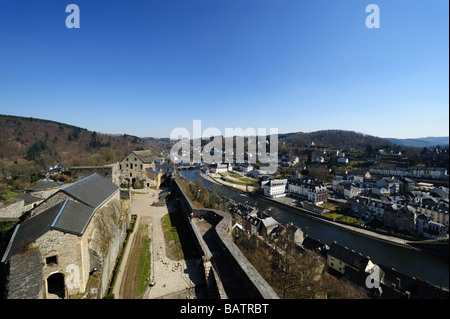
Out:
{"x": 179, "y": 244}
{"x": 344, "y": 218}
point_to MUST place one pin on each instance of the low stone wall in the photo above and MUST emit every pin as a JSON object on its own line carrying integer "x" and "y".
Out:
{"x": 125, "y": 193}
{"x": 256, "y": 285}
{"x": 12, "y": 210}
{"x": 110, "y": 172}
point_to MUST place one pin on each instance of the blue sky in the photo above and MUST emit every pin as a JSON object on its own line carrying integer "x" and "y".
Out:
{"x": 146, "y": 67}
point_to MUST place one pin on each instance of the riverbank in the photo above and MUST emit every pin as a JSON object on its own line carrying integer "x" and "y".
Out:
{"x": 236, "y": 187}
{"x": 347, "y": 227}
{"x": 360, "y": 231}
{"x": 412, "y": 262}
{"x": 306, "y": 213}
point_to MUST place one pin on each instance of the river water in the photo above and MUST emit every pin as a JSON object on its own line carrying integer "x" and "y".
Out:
{"x": 411, "y": 262}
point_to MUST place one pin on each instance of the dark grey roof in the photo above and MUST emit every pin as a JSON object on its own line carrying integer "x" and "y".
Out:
{"x": 30, "y": 230}
{"x": 67, "y": 216}
{"x": 92, "y": 190}
{"x": 347, "y": 256}
{"x": 73, "y": 217}
{"x": 44, "y": 185}
{"x": 146, "y": 156}
{"x": 28, "y": 198}
{"x": 417, "y": 288}
{"x": 70, "y": 215}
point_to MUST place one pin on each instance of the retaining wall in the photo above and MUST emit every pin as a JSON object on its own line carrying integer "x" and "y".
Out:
{"x": 256, "y": 286}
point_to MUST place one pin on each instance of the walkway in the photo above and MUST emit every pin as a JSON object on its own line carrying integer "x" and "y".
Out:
{"x": 139, "y": 206}
{"x": 172, "y": 279}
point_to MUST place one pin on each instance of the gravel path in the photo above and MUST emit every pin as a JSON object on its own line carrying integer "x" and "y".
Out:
{"x": 173, "y": 279}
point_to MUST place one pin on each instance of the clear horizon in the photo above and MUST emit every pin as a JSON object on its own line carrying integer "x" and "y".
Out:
{"x": 146, "y": 67}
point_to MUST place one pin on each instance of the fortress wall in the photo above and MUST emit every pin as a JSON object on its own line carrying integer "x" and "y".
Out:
{"x": 257, "y": 286}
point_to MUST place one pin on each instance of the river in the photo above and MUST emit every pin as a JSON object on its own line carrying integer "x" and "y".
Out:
{"x": 411, "y": 262}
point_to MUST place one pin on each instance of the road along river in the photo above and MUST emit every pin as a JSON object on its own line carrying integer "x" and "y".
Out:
{"x": 411, "y": 262}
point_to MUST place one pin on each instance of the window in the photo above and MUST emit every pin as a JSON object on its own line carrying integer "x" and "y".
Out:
{"x": 51, "y": 260}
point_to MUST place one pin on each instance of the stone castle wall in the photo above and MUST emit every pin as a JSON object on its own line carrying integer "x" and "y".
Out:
{"x": 256, "y": 285}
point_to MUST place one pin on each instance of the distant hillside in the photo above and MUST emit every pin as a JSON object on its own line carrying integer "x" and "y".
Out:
{"x": 48, "y": 142}
{"x": 420, "y": 142}
{"x": 334, "y": 139}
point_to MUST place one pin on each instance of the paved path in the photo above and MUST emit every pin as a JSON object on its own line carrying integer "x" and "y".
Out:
{"x": 139, "y": 206}
{"x": 173, "y": 279}
{"x": 170, "y": 277}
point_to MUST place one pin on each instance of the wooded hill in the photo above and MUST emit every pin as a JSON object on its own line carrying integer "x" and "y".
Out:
{"x": 47, "y": 142}
{"x": 337, "y": 139}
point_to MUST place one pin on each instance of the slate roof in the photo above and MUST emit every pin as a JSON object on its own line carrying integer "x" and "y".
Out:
{"x": 313, "y": 244}
{"x": 145, "y": 156}
{"x": 43, "y": 185}
{"x": 401, "y": 283}
{"x": 71, "y": 215}
{"x": 92, "y": 190}
{"x": 28, "y": 198}
{"x": 348, "y": 256}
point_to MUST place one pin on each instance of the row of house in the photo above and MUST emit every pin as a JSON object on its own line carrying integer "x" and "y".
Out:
{"x": 352, "y": 185}
{"x": 428, "y": 218}
{"x": 421, "y": 210}
{"x": 415, "y": 172}
{"x": 257, "y": 223}
{"x": 377, "y": 280}
{"x": 310, "y": 189}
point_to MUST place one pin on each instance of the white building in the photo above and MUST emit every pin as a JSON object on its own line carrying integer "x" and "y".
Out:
{"x": 342, "y": 160}
{"x": 314, "y": 190}
{"x": 275, "y": 188}
{"x": 220, "y": 168}
{"x": 245, "y": 167}
{"x": 320, "y": 159}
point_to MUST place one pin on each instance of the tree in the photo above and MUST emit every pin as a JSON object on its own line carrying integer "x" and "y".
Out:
{"x": 370, "y": 150}
{"x": 320, "y": 173}
{"x": 35, "y": 150}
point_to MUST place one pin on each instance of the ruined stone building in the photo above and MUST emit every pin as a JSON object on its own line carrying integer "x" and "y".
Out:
{"x": 72, "y": 237}
{"x": 109, "y": 171}
{"x": 142, "y": 169}
{"x": 132, "y": 168}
